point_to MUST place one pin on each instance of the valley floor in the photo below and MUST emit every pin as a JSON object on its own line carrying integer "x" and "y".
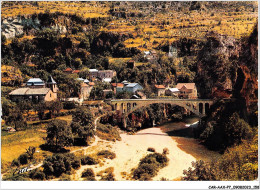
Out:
{"x": 132, "y": 148}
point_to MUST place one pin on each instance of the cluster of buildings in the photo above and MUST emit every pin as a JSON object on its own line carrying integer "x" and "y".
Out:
{"x": 182, "y": 90}
{"x": 36, "y": 90}
{"x": 94, "y": 74}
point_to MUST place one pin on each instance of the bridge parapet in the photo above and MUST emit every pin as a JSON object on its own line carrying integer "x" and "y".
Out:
{"x": 197, "y": 106}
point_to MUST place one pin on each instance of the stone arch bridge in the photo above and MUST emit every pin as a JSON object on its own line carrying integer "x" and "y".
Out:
{"x": 198, "y": 106}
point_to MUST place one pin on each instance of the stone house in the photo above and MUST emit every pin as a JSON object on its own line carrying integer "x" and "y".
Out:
{"x": 35, "y": 95}
{"x": 85, "y": 90}
{"x": 93, "y": 74}
{"x": 106, "y": 74}
{"x": 187, "y": 90}
{"x": 36, "y": 91}
{"x": 159, "y": 90}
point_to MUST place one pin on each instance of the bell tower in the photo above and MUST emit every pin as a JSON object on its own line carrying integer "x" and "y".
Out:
{"x": 52, "y": 85}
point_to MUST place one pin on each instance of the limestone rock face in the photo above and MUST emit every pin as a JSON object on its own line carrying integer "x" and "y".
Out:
{"x": 12, "y": 27}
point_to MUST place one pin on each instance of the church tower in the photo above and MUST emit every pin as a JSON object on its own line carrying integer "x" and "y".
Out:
{"x": 52, "y": 85}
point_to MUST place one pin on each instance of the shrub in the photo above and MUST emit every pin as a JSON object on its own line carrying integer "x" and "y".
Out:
{"x": 69, "y": 105}
{"x": 109, "y": 177}
{"x": 146, "y": 171}
{"x": 149, "y": 166}
{"x": 76, "y": 164}
{"x": 88, "y": 160}
{"x": 107, "y": 132}
{"x": 23, "y": 159}
{"x": 65, "y": 177}
{"x": 58, "y": 164}
{"x": 88, "y": 174}
{"x": 15, "y": 162}
{"x": 16, "y": 177}
{"x": 107, "y": 154}
{"x": 166, "y": 151}
{"x": 150, "y": 149}
{"x": 156, "y": 158}
{"x": 37, "y": 174}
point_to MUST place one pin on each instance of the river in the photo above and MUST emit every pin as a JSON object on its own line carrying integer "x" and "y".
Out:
{"x": 183, "y": 150}
{"x": 182, "y": 133}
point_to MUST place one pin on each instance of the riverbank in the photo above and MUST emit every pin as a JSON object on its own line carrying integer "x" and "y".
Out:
{"x": 132, "y": 148}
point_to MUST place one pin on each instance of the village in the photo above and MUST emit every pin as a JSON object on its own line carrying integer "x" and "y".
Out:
{"x": 36, "y": 90}
{"x": 129, "y": 91}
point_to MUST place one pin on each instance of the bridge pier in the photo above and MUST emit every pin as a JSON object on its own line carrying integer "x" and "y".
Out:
{"x": 203, "y": 109}
{"x": 124, "y": 121}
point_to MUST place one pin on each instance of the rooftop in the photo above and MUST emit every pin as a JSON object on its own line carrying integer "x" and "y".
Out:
{"x": 173, "y": 89}
{"x": 159, "y": 86}
{"x": 120, "y": 85}
{"x": 51, "y": 80}
{"x": 129, "y": 85}
{"x": 187, "y": 85}
{"x": 30, "y": 91}
{"x": 35, "y": 81}
{"x": 81, "y": 79}
{"x": 38, "y": 80}
{"x": 68, "y": 69}
{"x": 93, "y": 70}
{"x": 86, "y": 81}
{"x": 76, "y": 71}
{"x": 107, "y": 80}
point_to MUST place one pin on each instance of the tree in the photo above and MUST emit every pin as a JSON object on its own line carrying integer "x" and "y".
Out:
{"x": 84, "y": 73}
{"x": 40, "y": 108}
{"x": 83, "y": 116}
{"x": 97, "y": 92}
{"x": 30, "y": 152}
{"x": 59, "y": 134}
{"x": 82, "y": 124}
{"x": 24, "y": 106}
{"x": 54, "y": 107}
{"x": 201, "y": 171}
{"x": 16, "y": 118}
{"x": 78, "y": 63}
{"x": 237, "y": 129}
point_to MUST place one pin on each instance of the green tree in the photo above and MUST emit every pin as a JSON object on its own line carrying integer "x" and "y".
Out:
{"x": 82, "y": 124}
{"x": 16, "y": 118}
{"x": 201, "y": 171}
{"x": 54, "y": 107}
{"x": 59, "y": 134}
{"x": 236, "y": 129}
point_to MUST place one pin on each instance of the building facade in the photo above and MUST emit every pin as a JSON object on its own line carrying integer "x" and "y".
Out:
{"x": 159, "y": 90}
{"x": 36, "y": 91}
{"x": 187, "y": 90}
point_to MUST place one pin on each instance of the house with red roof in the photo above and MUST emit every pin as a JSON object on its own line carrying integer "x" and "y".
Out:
{"x": 68, "y": 71}
{"x": 159, "y": 89}
{"x": 187, "y": 90}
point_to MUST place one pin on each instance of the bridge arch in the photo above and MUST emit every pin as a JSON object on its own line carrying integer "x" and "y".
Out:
{"x": 197, "y": 106}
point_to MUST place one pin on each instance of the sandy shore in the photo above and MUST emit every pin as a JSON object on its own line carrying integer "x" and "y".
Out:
{"x": 132, "y": 148}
